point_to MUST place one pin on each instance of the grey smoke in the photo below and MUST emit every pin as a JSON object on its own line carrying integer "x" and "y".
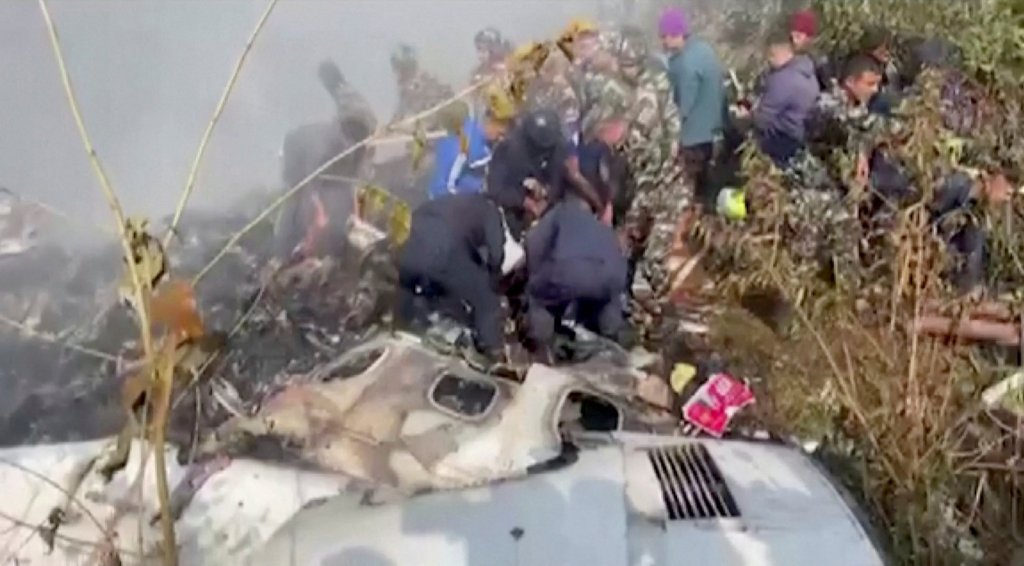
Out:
{"x": 148, "y": 74}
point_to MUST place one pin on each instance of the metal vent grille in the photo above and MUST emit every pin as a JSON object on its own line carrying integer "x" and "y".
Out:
{"x": 691, "y": 483}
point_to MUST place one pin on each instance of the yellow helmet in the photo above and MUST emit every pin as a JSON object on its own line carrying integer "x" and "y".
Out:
{"x": 578, "y": 27}
{"x": 500, "y": 105}
{"x": 524, "y": 51}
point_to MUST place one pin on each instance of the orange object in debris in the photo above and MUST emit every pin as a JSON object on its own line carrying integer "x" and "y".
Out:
{"x": 174, "y": 308}
{"x": 316, "y": 226}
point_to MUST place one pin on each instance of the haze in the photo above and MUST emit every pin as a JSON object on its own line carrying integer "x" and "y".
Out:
{"x": 148, "y": 74}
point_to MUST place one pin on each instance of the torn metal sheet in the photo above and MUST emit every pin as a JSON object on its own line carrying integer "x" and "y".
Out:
{"x": 221, "y": 520}
{"x": 394, "y": 412}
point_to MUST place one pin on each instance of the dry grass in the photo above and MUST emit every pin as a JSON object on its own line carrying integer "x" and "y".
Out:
{"x": 899, "y": 416}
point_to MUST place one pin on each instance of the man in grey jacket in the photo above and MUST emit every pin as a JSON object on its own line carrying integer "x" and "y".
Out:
{"x": 791, "y": 90}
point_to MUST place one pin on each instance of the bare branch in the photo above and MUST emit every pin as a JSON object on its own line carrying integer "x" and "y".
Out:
{"x": 201, "y": 152}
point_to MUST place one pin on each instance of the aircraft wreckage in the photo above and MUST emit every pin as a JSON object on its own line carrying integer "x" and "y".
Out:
{"x": 392, "y": 451}
{"x": 398, "y": 451}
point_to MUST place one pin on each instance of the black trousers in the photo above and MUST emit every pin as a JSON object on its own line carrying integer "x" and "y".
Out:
{"x": 696, "y": 161}
{"x": 452, "y": 284}
{"x": 594, "y": 287}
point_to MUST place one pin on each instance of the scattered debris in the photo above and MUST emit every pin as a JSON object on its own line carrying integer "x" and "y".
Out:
{"x": 716, "y": 403}
{"x": 1007, "y": 394}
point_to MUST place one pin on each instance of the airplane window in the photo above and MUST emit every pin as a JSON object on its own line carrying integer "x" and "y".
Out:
{"x": 356, "y": 363}
{"x": 465, "y": 397}
{"x": 582, "y": 412}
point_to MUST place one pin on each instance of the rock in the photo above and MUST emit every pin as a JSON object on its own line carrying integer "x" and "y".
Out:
{"x": 653, "y": 390}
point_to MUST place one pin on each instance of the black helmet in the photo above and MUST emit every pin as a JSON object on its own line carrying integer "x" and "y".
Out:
{"x": 542, "y": 128}
{"x": 489, "y": 39}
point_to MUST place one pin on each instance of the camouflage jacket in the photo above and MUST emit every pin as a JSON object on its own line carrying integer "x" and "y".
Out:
{"x": 557, "y": 95}
{"x": 601, "y": 95}
{"x": 485, "y": 71}
{"x": 838, "y": 122}
{"x": 421, "y": 93}
{"x": 654, "y": 115}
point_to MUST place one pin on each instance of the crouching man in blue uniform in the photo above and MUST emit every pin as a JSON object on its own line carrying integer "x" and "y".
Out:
{"x": 573, "y": 258}
{"x": 453, "y": 259}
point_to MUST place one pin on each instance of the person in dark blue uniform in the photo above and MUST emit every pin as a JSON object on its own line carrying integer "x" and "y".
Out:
{"x": 535, "y": 158}
{"x": 451, "y": 260}
{"x": 572, "y": 258}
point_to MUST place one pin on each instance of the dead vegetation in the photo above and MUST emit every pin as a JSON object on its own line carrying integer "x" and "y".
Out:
{"x": 898, "y": 416}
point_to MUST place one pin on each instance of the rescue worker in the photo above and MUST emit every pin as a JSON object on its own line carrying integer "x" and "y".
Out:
{"x": 573, "y": 260}
{"x": 315, "y": 222}
{"x": 583, "y": 39}
{"x": 452, "y": 258}
{"x": 657, "y": 192}
{"x": 653, "y": 142}
{"x": 822, "y": 216}
{"x": 592, "y": 61}
{"x": 499, "y": 113}
{"x": 418, "y": 90}
{"x": 492, "y": 49}
{"x": 553, "y": 89}
{"x": 461, "y": 157}
{"x": 842, "y": 115}
{"x": 877, "y": 43}
{"x": 535, "y": 159}
{"x": 600, "y": 162}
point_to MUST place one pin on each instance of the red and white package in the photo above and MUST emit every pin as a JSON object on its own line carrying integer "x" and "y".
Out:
{"x": 716, "y": 402}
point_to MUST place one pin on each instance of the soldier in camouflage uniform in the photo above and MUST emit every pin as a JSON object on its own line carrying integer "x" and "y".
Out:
{"x": 659, "y": 194}
{"x": 492, "y": 50}
{"x": 591, "y": 59}
{"x": 879, "y": 43}
{"x": 553, "y": 89}
{"x": 831, "y": 179}
{"x": 418, "y": 91}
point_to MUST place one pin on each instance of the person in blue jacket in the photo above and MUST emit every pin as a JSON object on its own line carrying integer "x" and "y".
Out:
{"x": 572, "y": 258}
{"x": 790, "y": 94}
{"x": 452, "y": 260}
{"x": 461, "y": 157}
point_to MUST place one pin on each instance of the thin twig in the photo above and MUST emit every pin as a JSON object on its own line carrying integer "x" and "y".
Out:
{"x": 139, "y": 288}
{"x": 96, "y": 545}
{"x": 70, "y": 496}
{"x": 101, "y": 175}
{"x": 201, "y": 152}
{"x": 309, "y": 178}
{"x": 51, "y": 339}
{"x": 834, "y": 365}
{"x": 54, "y": 211}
